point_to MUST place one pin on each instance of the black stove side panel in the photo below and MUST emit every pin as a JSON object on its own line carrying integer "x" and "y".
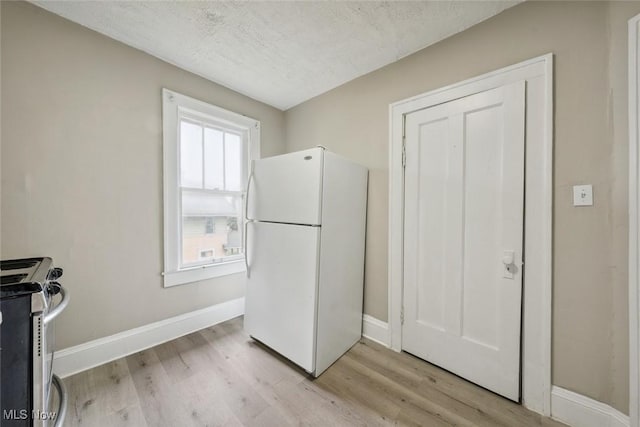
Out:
{"x": 16, "y": 362}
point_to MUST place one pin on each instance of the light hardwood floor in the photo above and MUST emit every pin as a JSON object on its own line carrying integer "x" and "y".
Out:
{"x": 220, "y": 377}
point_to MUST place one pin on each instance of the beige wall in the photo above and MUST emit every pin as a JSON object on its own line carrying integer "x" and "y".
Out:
{"x": 82, "y": 169}
{"x": 590, "y": 345}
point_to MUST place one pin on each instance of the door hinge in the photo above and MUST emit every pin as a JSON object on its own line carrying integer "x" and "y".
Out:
{"x": 402, "y": 315}
{"x": 404, "y": 125}
{"x": 404, "y": 141}
{"x": 404, "y": 154}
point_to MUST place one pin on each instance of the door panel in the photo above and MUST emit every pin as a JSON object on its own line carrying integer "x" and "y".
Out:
{"x": 482, "y": 225}
{"x": 464, "y": 197}
{"x": 287, "y": 188}
{"x": 432, "y": 176}
{"x": 280, "y": 308}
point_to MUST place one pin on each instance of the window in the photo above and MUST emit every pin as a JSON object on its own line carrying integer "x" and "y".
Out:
{"x": 210, "y": 227}
{"x": 208, "y": 253}
{"x": 207, "y": 152}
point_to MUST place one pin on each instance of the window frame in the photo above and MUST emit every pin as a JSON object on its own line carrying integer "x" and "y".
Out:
{"x": 176, "y": 106}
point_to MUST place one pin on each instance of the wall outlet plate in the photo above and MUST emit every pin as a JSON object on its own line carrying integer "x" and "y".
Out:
{"x": 583, "y": 195}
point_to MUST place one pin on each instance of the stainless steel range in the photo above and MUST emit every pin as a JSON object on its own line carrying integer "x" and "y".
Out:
{"x": 27, "y": 310}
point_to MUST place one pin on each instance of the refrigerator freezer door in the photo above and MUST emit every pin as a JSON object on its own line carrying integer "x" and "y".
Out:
{"x": 287, "y": 188}
{"x": 280, "y": 305}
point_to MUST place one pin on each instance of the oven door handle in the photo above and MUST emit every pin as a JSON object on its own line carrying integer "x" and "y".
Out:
{"x": 53, "y": 313}
{"x": 61, "y": 413}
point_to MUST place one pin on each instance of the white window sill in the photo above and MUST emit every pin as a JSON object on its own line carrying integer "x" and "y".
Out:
{"x": 181, "y": 277}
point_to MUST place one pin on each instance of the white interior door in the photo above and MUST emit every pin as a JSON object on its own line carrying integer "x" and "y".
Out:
{"x": 464, "y": 185}
{"x": 280, "y": 304}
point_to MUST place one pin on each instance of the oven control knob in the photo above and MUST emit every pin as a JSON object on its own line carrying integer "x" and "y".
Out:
{"x": 55, "y": 273}
{"x": 54, "y": 288}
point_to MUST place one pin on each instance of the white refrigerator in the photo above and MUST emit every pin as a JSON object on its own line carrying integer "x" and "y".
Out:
{"x": 305, "y": 237}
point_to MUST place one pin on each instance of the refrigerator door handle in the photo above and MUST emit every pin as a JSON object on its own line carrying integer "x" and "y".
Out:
{"x": 246, "y": 249}
{"x": 246, "y": 218}
{"x": 246, "y": 193}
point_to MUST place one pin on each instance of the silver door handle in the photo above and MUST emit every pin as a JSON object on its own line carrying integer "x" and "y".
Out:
{"x": 508, "y": 257}
{"x": 53, "y": 313}
{"x": 62, "y": 404}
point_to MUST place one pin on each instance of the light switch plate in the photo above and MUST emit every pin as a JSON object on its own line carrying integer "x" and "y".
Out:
{"x": 583, "y": 195}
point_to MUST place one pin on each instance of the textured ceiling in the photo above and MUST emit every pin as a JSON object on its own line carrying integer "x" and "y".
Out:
{"x": 281, "y": 53}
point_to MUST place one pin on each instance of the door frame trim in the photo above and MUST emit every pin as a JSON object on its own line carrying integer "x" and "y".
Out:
{"x": 537, "y": 308}
{"x": 634, "y": 223}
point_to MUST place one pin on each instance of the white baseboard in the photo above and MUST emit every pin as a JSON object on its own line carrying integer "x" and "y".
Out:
{"x": 81, "y": 357}
{"x": 581, "y": 411}
{"x": 375, "y": 330}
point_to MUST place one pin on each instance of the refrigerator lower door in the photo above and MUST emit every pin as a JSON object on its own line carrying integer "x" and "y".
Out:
{"x": 280, "y": 305}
